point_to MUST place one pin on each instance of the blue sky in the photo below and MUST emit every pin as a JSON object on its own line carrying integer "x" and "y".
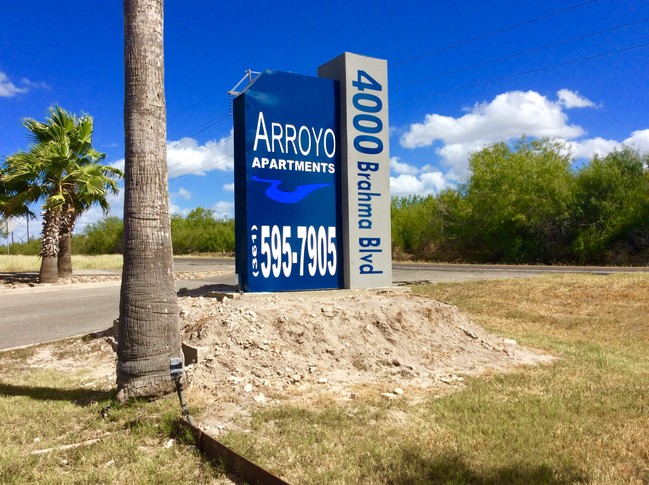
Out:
{"x": 462, "y": 75}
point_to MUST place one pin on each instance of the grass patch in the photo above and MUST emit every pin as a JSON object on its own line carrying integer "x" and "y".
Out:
{"x": 19, "y": 263}
{"x": 582, "y": 419}
{"x": 45, "y": 408}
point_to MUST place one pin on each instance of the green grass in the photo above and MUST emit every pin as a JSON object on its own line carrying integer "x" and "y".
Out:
{"x": 582, "y": 419}
{"x": 45, "y": 408}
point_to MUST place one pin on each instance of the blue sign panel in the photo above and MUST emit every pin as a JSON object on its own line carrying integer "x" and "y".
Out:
{"x": 287, "y": 184}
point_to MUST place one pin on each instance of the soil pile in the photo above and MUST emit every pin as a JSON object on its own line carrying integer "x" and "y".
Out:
{"x": 259, "y": 348}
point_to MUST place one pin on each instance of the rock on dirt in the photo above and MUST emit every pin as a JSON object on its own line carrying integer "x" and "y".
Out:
{"x": 300, "y": 345}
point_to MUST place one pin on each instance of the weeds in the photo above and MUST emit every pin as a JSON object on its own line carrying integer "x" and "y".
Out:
{"x": 584, "y": 418}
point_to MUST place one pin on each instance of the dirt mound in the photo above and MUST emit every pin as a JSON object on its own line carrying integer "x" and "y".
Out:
{"x": 258, "y": 348}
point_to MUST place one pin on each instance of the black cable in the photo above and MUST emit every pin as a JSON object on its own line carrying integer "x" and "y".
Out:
{"x": 545, "y": 68}
{"x": 225, "y": 140}
{"x": 211, "y": 124}
{"x": 489, "y": 34}
{"x": 517, "y": 54}
{"x": 201, "y": 168}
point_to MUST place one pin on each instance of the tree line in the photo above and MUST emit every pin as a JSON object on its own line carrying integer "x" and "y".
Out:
{"x": 198, "y": 231}
{"x": 523, "y": 203}
{"x": 526, "y": 204}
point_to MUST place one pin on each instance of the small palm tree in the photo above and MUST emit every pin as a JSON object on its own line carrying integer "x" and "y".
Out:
{"x": 93, "y": 183}
{"x": 62, "y": 169}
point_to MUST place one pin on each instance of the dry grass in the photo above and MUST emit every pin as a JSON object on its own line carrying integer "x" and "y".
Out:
{"x": 584, "y": 418}
{"x": 17, "y": 263}
{"x": 602, "y": 309}
{"x": 43, "y": 408}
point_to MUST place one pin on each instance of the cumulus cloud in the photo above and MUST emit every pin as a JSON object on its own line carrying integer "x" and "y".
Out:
{"x": 223, "y": 209}
{"x": 639, "y": 140}
{"x": 426, "y": 183}
{"x": 95, "y": 213}
{"x": 186, "y": 156}
{"x": 9, "y": 89}
{"x": 508, "y": 116}
{"x": 119, "y": 164}
{"x": 402, "y": 168}
{"x": 411, "y": 180}
{"x": 592, "y": 146}
{"x": 587, "y": 148}
{"x": 572, "y": 99}
{"x": 228, "y": 187}
{"x": 183, "y": 193}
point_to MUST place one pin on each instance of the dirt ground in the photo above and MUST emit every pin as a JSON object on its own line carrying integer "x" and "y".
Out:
{"x": 305, "y": 348}
{"x": 12, "y": 280}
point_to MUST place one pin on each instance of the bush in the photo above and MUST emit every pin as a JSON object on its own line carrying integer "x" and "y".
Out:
{"x": 103, "y": 237}
{"x": 31, "y": 248}
{"x": 200, "y": 232}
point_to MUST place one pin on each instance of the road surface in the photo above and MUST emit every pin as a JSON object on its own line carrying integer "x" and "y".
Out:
{"x": 39, "y": 314}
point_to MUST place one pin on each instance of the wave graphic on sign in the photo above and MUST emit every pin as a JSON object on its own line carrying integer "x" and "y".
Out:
{"x": 300, "y": 192}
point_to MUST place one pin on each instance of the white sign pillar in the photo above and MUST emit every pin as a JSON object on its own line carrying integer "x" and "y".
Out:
{"x": 365, "y": 156}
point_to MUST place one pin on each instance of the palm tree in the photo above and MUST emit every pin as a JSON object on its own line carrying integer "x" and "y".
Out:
{"x": 62, "y": 169}
{"x": 148, "y": 312}
{"x": 94, "y": 183}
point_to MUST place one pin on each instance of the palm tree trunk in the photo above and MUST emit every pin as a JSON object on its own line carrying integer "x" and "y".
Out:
{"x": 64, "y": 262}
{"x": 148, "y": 323}
{"x": 49, "y": 272}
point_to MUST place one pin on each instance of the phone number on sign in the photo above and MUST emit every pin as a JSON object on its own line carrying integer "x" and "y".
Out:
{"x": 275, "y": 251}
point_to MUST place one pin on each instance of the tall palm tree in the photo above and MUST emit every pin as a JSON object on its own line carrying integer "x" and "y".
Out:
{"x": 62, "y": 169}
{"x": 148, "y": 312}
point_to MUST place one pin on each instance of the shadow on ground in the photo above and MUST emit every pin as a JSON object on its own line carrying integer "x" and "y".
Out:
{"x": 80, "y": 397}
{"x": 454, "y": 468}
{"x": 15, "y": 278}
{"x": 208, "y": 290}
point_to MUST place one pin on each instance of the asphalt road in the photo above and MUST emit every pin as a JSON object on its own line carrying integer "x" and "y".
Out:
{"x": 39, "y": 314}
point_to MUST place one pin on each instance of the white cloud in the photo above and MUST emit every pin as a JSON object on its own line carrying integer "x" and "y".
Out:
{"x": 223, "y": 209}
{"x": 639, "y": 140}
{"x": 572, "y": 99}
{"x": 186, "y": 156}
{"x": 405, "y": 185}
{"x": 95, "y": 213}
{"x": 228, "y": 187}
{"x": 183, "y": 193}
{"x": 174, "y": 196}
{"x": 435, "y": 181}
{"x": 175, "y": 209}
{"x": 587, "y": 148}
{"x": 402, "y": 168}
{"x": 9, "y": 89}
{"x": 119, "y": 164}
{"x": 35, "y": 84}
{"x": 592, "y": 146}
{"x": 426, "y": 183}
{"x": 508, "y": 116}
